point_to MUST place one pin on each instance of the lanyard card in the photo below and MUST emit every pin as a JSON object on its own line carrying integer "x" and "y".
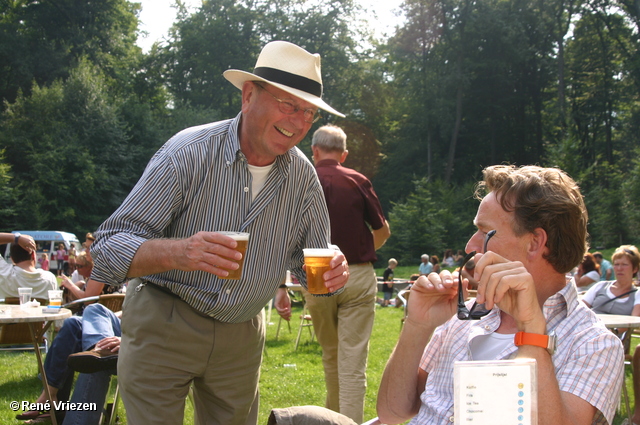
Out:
{"x": 498, "y": 392}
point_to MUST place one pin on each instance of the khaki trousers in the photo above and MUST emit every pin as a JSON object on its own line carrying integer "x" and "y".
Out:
{"x": 167, "y": 346}
{"x": 343, "y": 325}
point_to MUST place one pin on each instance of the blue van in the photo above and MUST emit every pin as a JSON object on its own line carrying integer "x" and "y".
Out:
{"x": 47, "y": 242}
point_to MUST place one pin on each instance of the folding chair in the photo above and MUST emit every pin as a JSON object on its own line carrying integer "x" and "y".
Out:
{"x": 306, "y": 321}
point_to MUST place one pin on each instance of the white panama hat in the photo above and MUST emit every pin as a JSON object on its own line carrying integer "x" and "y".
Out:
{"x": 288, "y": 67}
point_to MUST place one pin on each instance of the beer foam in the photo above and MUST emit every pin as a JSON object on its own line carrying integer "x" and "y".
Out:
{"x": 239, "y": 236}
{"x": 318, "y": 252}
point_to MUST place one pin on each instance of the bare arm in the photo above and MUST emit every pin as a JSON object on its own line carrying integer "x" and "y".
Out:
{"x": 25, "y": 241}
{"x": 403, "y": 381}
{"x": 283, "y": 304}
{"x": 432, "y": 302}
{"x": 207, "y": 251}
{"x": 91, "y": 288}
{"x": 584, "y": 280}
{"x": 559, "y": 407}
{"x": 381, "y": 235}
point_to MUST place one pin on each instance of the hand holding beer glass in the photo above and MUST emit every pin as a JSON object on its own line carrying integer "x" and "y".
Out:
{"x": 317, "y": 262}
{"x": 243, "y": 242}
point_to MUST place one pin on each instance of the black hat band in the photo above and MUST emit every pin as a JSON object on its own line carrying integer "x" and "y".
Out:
{"x": 291, "y": 80}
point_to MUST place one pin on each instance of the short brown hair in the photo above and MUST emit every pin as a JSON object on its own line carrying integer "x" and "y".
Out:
{"x": 544, "y": 198}
{"x": 19, "y": 254}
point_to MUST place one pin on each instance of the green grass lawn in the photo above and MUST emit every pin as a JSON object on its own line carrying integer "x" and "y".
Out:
{"x": 289, "y": 377}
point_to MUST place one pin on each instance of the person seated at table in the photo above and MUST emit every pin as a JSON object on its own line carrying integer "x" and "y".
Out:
{"x": 89, "y": 344}
{"x": 606, "y": 269}
{"x": 626, "y": 263}
{"x": 618, "y": 296}
{"x": 588, "y": 272}
{"x": 436, "y": 264}
{"x": 425, "y": 266}
{"x": 82, "y": 272}
{"x": 447, "y": 259}
{"x": 540, "y": 223}
{"x": 89, "y": 288}
{"x": 23, "y": 272}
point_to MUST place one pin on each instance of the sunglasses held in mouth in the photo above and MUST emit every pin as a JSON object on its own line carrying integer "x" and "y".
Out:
{"x": 478, "y": 311}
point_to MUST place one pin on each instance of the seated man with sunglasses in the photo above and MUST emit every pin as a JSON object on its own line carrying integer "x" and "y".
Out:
{"x": 532, "y": 229}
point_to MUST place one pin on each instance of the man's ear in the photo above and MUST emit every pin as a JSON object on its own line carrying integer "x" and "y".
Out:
{"x": 248, "y": 90}
{"x": 344, "y": 156}
{"x": 315, "y": 153}
{"x": 537, "y": 245}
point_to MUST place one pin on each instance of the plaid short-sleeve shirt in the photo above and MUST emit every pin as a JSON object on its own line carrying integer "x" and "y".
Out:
{"x": 589, "y": 359}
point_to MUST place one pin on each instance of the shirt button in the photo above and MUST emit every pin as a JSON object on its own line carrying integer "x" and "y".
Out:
{"x": 246, "y": 189}
{"x": 487, "y": 327}
{"x": 228, "y": 162}
{"x": 228, "y": 291}
{"x": 452, "y": 419}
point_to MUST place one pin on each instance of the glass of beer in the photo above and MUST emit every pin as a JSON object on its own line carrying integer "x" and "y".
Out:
{"x": 317, "y": 262}
{"x": 243, "y": 242}
{"x": 55, "y": 298}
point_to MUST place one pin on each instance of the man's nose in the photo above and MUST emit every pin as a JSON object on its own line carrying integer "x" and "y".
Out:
{"x": 474, "y": 244}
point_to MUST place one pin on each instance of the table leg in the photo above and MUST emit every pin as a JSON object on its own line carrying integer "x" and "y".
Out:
{"x": 34, "y": 337}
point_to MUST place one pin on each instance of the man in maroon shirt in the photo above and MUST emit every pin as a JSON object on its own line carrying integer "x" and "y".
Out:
{"x": 343, "y": 322}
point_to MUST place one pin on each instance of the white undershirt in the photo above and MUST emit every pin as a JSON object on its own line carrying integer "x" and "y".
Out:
{"x": 259, "y": 178}
{"x": 488, "y": 347}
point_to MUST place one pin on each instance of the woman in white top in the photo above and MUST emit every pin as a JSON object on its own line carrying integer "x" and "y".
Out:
{"x": 618, "y": 296}
{"x": 588, "y": 272}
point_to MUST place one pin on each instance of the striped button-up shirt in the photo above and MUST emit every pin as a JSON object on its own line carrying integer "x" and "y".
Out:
{"x": 588, "y": 361}
{"x": 199, "y": 181}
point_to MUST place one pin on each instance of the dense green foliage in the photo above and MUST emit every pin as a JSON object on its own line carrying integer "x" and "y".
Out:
{"x": 459, "y": 86}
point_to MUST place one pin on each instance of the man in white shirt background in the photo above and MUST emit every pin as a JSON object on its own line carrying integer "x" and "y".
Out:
{"x": 23, "y": 272}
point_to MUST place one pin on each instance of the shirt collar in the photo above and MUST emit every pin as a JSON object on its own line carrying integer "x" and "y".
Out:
{"x": 562, "y": 303}
{"x": 327, "y": 163}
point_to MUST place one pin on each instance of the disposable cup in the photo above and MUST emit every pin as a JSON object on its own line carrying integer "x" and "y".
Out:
{"x": 242, "y": 239}
{"x": 317, "y": 262}
{"x": 55, "y": 298}
{"x": 25, "y": 296}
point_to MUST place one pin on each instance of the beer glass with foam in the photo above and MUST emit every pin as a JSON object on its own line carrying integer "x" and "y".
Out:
{"x": 317, "y": 262}
{"x": 243, "y": 242}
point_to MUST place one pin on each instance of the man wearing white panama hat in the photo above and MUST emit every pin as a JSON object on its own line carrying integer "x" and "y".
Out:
{"x": 184, "y": 324}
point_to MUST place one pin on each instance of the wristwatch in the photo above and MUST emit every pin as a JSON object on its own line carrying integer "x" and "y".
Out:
{"x": 545, "y": 341}
{"x": 17, "y": 237}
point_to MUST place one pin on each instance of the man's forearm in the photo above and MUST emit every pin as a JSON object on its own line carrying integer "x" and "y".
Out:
{"x": 559, "y": 407}
{"x": 154, "y": 256}
{"x": 381, "y": 235}
{"x": 399, "y": 392}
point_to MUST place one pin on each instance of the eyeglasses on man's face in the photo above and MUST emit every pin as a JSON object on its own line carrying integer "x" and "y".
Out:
{"x": 286, "y": 107}
{"x": 79, "y": 266}
{"x": 477, "y": 311}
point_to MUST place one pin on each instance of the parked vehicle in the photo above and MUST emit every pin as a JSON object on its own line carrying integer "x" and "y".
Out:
{"x": 47, "y": 242}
